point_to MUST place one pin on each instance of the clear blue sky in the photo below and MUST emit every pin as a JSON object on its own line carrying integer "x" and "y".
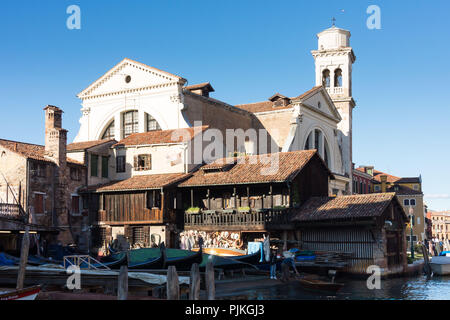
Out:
{"x": 248, "y": 50}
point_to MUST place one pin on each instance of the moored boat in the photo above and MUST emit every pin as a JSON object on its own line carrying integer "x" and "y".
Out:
{"x": 253, "y": 258}
{"x": 22, "y": 294}
{"x": 182, "y": 262}
{"x": 440, "y": 265}
{"x": 318, "y": 285}
{"x": 151, "y": 263}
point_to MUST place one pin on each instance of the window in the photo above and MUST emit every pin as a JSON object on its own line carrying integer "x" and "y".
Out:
{"x": 120, "y": 164}
{"x": 138, "y": 235}
{"x": 319, "y": 142}
{"x": 109, "y": 133}
{"x": 412, "y": 202}
{"x": 338, "y": 78}
{"x": 75, "y": 174}
{"x": 39, "y": 169}
{"x": 152, "y": 124}
{"x": 326, "y": 78}
{"x": 406, "y": 202}
{"x": 75, "y": 205}
{"x": 143, "y": 162}
{"x": 414, "y": 238}
{"x": 105, "y": 167}
{"x": 39, "y": 203}
{"x": 94, "y": 165}
{"x": 130, "y": 123}
{"x": 377, "y": 188}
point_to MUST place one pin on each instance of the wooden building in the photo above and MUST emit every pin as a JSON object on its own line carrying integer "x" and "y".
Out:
{"x": 370, "y": 227}
{"x": 140, "y": 210}
{"x": 252, "y": 195}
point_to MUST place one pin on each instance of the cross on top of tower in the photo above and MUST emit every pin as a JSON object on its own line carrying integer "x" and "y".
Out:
{"x": 333, "y": 22}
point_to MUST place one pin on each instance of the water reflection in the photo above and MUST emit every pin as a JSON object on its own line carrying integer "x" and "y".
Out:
{"x": 419, "y": 288}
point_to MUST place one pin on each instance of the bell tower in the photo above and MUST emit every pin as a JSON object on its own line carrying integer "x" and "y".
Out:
{"x": 334, "y": 59}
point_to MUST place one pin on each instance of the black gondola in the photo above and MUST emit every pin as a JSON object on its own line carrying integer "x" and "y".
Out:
{"x": 253, "y": 258}
{"x": 184, "y": 263}
{"x": 114, "y": 261}
{"x": 152, "y": 263}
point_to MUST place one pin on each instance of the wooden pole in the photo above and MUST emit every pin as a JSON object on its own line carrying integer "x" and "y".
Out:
{"x": 427, "y": 267}
{"x": 23, "y": 258}
{"x": 210, "y": 282}
{"x": 173, "y": 286}
{"x": 122, "y": 288}
{"x": 194, "y": 283}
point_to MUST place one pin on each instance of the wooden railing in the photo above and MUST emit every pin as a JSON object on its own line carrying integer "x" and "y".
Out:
{"x": 251, "y": 220}
{"x": 11, "y": 211}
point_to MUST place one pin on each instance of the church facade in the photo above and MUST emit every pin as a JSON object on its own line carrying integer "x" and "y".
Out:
{"x": 136, "y": 98}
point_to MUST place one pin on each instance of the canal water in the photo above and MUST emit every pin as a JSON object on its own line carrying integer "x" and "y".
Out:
{"x": 417, "y": 288}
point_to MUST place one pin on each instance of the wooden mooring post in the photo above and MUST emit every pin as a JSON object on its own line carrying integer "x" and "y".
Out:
{"x": 122, "y": 287}
{"x": 194, "y": 283}
{"x": 23, "y": 258}
{"x": 173, "y": 285}
{"x": 426, "y": 266}
{"x": 210, "y": 282}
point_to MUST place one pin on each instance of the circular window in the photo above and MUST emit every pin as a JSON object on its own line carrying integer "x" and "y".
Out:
{"x": 128, "y": 79}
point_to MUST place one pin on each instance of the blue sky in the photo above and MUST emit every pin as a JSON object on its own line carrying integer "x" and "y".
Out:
{"x": 248, "y": 50}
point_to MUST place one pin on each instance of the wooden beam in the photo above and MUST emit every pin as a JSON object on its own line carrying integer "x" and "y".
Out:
{"x": 194, "y": 283}
{"x": 23, "y": 258}
{"x": 122, "y": 287}
{"x": 208, "y": 195}
{"x": 192, "y": 198}
{"x": 271, "y": 197}
{"x": 173, "y": 286}
{"x": 210, "y": 282}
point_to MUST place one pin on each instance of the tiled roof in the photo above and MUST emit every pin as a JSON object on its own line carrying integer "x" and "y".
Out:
{"x": 87, "y": 144}
{"x": 390, "y": 178}
{"x": 343, "y": 207}
{"x": 31, "y": 151}
{"x": 409, "y": 180}
{"x": 143, "y": 182}
{"x": 252, "y": 169}
{"x": 269, "y": 106}
{"x": 402, "y": 190}
{"x": 161, "y": 136}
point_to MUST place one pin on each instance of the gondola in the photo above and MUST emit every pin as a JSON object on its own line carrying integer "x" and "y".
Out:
{"x": 183, "y": 263}
{"x": 114, "y": 261}
{"x": 253, "y": 258}
{"x": 321, "y": 286}
{"x": 151, "y": 263}
{"x": 224, "y": 263}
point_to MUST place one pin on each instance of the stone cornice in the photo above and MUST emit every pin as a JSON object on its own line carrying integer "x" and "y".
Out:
{"x": 334, "y": 53}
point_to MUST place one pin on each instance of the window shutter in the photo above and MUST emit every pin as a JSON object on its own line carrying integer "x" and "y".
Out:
{"x": 136, "y": 162}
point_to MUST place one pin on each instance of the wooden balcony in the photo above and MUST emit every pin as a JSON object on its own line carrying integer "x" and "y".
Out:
{"x": 11, "y": 211}
{"x": 145, "y": 216}
{"x": 238, "y": 221}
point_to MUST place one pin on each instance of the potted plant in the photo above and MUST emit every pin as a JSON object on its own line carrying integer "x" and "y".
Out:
{"x": 244, "y": 209}
{"x": 193, "y": 210}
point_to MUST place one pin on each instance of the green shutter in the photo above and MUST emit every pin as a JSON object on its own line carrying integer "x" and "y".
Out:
{"x": 104, "y": 167}
{"x": 94, "y": 165}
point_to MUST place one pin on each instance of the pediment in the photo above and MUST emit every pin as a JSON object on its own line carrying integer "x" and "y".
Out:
{"x": 321, "y": 101}
{"x": 126, "y": 75}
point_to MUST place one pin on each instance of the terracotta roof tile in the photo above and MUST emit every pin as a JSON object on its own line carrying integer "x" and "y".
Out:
{"x": 251, "y": 169}
{"x": 30, "y": 151}
{"x": 343, "y": 207}
{"x": 402, "y": 190}
{"x": 264, "y": 106}
{"x": 161, "y": 136}
{"x": 143, "y": 182}
{"x": 390, "y": 178}
{"x": 206, "y": 85}
{"x": 87, "y": 144}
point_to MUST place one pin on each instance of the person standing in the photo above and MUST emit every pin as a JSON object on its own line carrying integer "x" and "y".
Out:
{"x": 273, "y": 265}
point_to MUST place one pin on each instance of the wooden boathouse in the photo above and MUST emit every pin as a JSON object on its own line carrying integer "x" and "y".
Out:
{"x": 370, "y": 227}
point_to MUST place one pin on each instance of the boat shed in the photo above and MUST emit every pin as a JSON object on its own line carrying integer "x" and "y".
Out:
{"x": 369, "y": 227}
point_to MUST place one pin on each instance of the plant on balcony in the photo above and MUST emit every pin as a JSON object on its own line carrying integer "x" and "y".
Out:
{"x": 261, "y": 210}
{"x": 244, "y": 209}
{"x": 279, "y": 208}
{"x": 193, "y": 210}
{"x": 227, "y": 210}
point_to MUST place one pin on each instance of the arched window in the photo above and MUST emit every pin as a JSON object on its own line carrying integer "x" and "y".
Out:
{"x": 130, "y": 123}
{"x": 316, "y": 140}
{"x": 152, "y": 124}
{"x": 326, "y": 78}
{"x": 406, "y": 202}
{"x": 338, "y": 78}
{"x": 109, "y": 132}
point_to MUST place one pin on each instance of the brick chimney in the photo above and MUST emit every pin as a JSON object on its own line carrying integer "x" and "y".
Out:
{"x": 383, "y": 179}
{"x": 55, "y": 136}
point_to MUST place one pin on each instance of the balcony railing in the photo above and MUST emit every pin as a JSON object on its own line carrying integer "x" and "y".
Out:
{"x": 11, "y": 211}
{"x": 335, "y": 90}
{"x": 220, "y": 220}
